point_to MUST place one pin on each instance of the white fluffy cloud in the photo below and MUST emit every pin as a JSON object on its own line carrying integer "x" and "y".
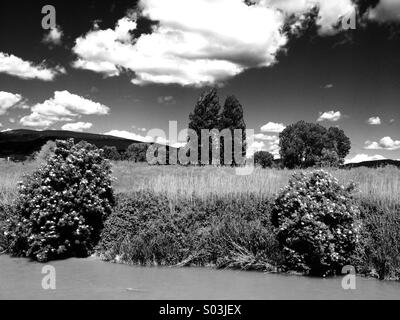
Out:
{"x": 386, "y": 143}
{"x": 129, "y": 135}
{"x": 149, "y": 139}
{"x": 386, "y": 11}
{"x": 273, "y": 127}
{"x": 200, "y": 42}
{"x": 15, "y": 66}
{"x": 8, "y": 100}
{"x": 329, "y": 12}
{"x": 374, "y": 121}
{"x": 77, "y": 126}
{"x": 64, "y": 106}
{"x": 332, "y": 116}
{"x": 53, "y": 36}
{"x": 264, "y": 142}
{"x": 364, "y": 157}
{"x": 196, "y": 42}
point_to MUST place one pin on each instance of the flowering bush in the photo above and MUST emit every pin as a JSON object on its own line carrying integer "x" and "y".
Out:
{"x": 61, "y": 207}
{"x": 316, "y": 221}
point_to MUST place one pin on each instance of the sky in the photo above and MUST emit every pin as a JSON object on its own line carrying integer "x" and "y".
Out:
{"x": 126, "y": 67}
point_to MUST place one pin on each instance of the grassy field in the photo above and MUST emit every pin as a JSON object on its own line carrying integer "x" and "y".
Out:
{"x": 381, "y": 185}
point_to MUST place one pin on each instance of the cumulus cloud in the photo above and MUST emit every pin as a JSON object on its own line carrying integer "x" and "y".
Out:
{"x": 332, "y": 116}
{"x": 77, "y": 126}
{"x": 15, "y": 66}
{"x": 182, "y": 49}
{"x": 363, "y": 157}
{"x": 129, "y": 135}
{"x": 385, "y": 11}
{"x": 8, "y": 100}
{"x": 64, "y": 106}
{"x": 53, "y": 37}
{"x": 273, "y": 127}
{"x": 386, "y": 143}
{"x": 148, "y": 139}
{"x": 330, "y": 12}
{"x": 374, "y": 121}
{"x": 264, "y": 142}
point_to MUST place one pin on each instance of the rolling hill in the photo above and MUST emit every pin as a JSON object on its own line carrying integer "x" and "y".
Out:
{"x": 20, "y": 144}
{"x": 373, "y": 164}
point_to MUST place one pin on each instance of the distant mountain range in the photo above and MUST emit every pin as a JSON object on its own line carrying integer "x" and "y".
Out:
{"x": 20, "y": 144}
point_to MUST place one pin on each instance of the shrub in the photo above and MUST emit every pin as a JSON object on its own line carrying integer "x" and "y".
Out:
{"x": 147, "y": 228}
{"x": 317, "y": 223}
{"x": 111, "y": 153}
{"x": 136, "y": 152}
{"x": 61, "y": 207}
{"x": 4, "y": 215}
{"x": 263, "y": 159}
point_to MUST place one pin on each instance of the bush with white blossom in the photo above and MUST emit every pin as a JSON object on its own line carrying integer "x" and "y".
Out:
{"x": 316, "y": 221}
{"x": 62, "y": 206}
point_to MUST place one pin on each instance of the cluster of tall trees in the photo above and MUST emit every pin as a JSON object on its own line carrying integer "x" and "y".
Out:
{"x": 302, "y": 144}
{"x": 208, "y": 114}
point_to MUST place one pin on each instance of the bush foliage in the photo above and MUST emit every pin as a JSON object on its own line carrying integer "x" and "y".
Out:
{"x": 317, "y": 223}
{"x": 264, "y": 159}
{"x": 61, "y": 207}
{"x": 148, "y": 228}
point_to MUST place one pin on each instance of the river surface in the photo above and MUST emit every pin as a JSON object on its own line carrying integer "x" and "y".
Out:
{"x": 92, "y": 278}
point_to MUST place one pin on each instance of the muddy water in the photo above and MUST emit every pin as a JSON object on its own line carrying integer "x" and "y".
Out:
{"x": 94, "y": 279}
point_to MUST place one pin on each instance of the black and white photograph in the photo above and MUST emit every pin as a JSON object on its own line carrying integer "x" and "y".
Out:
{"x": 200, "y": 150}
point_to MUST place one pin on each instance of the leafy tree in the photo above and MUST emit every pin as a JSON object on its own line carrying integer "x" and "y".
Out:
{"x": 338, "y": 142}
{"x": 263, "y": 159}
{"x": 232, "y": 118}
{"x": 302, "y": 144}
{"x": 136, "y": 152}
{"x": 111, "y": 153}
{"x": 329, "y": 158}
{"x": 205, "y": 116}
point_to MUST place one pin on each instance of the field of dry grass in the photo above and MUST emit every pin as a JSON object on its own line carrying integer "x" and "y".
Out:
{"x": 381, "y": 185}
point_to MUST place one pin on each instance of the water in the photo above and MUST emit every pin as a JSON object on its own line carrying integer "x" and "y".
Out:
{"x": 94, "y": 279}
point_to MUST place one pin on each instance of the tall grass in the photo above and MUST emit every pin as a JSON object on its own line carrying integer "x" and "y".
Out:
{"x": 10, "y": 174}
{"x": 381, "y": 185}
